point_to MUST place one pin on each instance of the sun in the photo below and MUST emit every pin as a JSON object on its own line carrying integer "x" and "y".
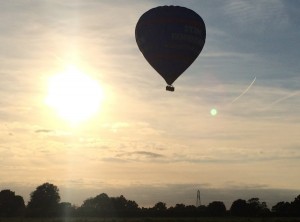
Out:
{"x": 74, "y": 95}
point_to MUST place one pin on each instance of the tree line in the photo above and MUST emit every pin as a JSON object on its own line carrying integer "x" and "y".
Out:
{"x": 45, "y": 202}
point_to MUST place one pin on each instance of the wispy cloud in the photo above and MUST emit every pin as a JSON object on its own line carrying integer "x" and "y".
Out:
{"x": 259, "y": 14}
{"x": 43, "y": 131}
{"x": 140, "y": 155}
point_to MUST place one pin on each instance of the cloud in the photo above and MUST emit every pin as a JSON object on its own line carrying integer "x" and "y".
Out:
{"x": 136, "y": 128}
{"x": 117, "y": 126}
{"x": 140, "y": 155}
{"x": 259, "y": 14}
{"x": 112, "y": 159}
{"x": 44, "y": 131}
{"x": 233, "y": 155}
{"x": 284, "y": 98}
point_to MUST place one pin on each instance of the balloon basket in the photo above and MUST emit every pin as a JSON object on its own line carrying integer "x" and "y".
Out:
{"x": 170, "y": 88}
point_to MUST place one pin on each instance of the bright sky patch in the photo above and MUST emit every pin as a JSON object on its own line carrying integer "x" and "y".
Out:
{"x": 74, "y": 95}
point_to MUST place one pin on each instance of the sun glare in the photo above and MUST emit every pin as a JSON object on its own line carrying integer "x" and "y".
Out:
{"x": 74, "y": 95}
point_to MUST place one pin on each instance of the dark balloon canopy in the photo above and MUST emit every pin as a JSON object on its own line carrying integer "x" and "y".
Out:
{"x": 170, "y": 38}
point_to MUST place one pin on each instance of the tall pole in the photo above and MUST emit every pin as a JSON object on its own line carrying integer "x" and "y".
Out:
{"x": 198, "y": 202}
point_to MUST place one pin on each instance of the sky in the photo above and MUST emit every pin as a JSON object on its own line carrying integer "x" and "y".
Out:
{"x": 231, "y": 129}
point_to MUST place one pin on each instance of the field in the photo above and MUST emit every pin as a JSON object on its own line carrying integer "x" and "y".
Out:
{"x": 201, "y": 219}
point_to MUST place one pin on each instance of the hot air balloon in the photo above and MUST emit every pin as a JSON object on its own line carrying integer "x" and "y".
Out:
{"x": 170, "y": 38}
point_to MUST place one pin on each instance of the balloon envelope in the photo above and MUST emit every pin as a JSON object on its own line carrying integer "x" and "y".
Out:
{"x": 170, "y": 38}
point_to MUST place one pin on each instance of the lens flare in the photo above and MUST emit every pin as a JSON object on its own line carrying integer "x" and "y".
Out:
{"x": 213, "y": 112}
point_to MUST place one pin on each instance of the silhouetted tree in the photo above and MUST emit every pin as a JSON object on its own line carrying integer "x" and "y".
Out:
{"x": 216, "y": 208}
{"x": 295, "y": 207}
{"x": 10, "y": 204}
{"x": 177, "y": 211}
{"x": 105, "y": 206}
{"x": 44, "y": 201}
{"x": 239, "y": 208}
{"x": 66, "y": 209}
{"x": 101, "y": 205}
{"x": 191, "y": 210}
{"x": 257, "y": 208}
{"x": 159, "y": 209}
{"x": 201, "y": 210}
{"x": 160, "y": 206}
{"x": 144, "y": 212}
{"x": 124, "y": 207}
{"x": 282, "y": 209}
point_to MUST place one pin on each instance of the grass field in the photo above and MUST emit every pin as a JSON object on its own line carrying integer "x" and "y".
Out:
{"x": 201, "y": 219}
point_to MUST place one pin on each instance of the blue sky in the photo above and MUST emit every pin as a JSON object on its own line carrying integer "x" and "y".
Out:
{"x": 143, "y": 142}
